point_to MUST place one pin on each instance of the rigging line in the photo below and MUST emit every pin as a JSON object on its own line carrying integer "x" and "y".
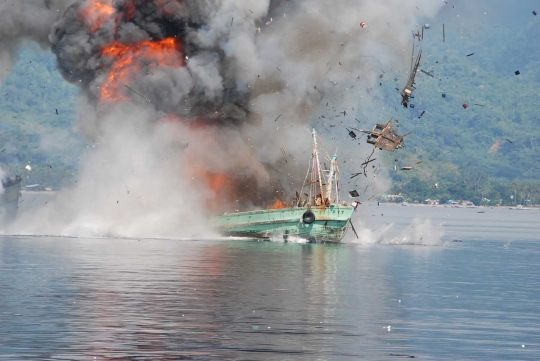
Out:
{"x": 305, "y": 179}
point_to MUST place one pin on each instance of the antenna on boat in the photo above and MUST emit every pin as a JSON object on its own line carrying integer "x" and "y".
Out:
{"x": 330, "y": 180}
{"x": 316, "y": 151}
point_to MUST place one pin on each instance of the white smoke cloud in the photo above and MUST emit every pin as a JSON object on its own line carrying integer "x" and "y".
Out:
{"x": 133, "y": 183}
{"x": 238, "y": 79}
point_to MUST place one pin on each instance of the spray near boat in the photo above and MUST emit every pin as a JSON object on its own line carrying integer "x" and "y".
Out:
{"x": 320, "y": 216}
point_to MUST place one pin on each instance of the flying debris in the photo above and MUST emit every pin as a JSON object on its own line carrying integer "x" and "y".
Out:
{"x": 363, "y": 25}
{"x": 419, "y": 35}
{"x": 465, "y": 105}
{"x": 407, "y": 91}
{"x": 406, "y": 168}
{"x": 534, "y": 13}
{"x": 471, "y": 54}
{"x": 443, "y": 34}
{"x": 422, "y": 114}
{"x": 517, "y": 72}
{"x": 354, "y": 193}
{"x": 384, "y": 137}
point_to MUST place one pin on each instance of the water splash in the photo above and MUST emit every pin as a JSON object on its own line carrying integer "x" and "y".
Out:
{"x": 279, "y": 237}
{"x": 421, "y": 232}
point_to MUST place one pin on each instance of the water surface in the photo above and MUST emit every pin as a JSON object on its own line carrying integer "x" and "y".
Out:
{"x": 129, "y": 299}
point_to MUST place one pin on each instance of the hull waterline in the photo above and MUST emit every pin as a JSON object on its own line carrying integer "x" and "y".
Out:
{"x": 330, "y": 224}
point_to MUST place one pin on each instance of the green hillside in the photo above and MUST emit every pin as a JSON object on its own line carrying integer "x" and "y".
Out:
{"x": 31, "y": 131}
{"x": 489, "y": 149}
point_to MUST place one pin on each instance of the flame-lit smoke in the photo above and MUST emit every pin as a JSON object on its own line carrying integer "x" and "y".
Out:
{"x": 229, "y": 67}
{"x": 125, "y": 64}
{"x": 243, "y": 79}
{"x": 96, "y": 12}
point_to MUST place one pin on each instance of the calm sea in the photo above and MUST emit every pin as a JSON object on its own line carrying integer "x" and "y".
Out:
{"x": 473, "y": 294}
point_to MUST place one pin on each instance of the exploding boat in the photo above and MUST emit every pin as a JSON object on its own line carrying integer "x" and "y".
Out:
{"x": 318, "y": 218}
{"x": 10, "y": 194}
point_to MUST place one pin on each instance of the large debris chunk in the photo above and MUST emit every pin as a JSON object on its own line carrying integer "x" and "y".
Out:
{"x": 384, "y": 137}
{"x": 407, "y": 91}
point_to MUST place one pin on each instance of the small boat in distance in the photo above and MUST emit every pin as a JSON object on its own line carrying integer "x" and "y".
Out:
{"x": 320, "y": 217}
{"x": 519, "y": 207}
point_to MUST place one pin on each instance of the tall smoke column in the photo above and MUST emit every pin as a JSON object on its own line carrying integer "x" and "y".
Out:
{"x": 31, "y": 20}
{"x": 229, "y": 64}
{"x": 219, "y": 74}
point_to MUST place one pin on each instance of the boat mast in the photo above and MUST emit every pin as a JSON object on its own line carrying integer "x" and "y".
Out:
{"x": 337, "y": 183}
{"x": 330, "y": 181}
{"x": 316, "y": 151}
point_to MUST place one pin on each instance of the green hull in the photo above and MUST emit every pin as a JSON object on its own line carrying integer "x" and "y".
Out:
{"x": 330, "y": 223}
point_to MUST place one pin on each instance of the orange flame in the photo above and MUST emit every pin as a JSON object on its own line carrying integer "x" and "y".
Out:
{"x": 277, "y": 205}
{"x": 128, "y": 60}
{"x": 217, "y": 182}
{"x": 96, "y": 13}
{"x": 222, "y": 188}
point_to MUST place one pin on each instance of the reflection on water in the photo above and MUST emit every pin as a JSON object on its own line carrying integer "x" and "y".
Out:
{"x": 76, "y": 299}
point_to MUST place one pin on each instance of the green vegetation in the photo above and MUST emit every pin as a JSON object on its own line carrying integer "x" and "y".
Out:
{"x": 489, "y": 149}
{"x": 31, "y": 131}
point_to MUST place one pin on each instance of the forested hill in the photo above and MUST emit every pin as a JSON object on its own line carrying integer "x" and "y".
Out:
{"x": 495, "y": 140}
{"x": 37, "y": 118}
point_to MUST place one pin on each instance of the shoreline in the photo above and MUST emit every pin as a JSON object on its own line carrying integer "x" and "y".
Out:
{"x": 514, "y": 208}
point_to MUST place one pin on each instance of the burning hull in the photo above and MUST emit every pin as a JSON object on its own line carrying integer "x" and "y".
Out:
{"x": 328, "y": 224}
{"x": 9, "y": 199}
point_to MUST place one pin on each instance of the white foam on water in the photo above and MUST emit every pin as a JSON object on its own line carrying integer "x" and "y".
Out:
{"x": 290, "y": 239}
{"x": 421, "y": 232}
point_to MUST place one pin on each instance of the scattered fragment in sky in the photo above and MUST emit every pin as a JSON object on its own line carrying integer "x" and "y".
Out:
{"x": 354, "y": 193}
